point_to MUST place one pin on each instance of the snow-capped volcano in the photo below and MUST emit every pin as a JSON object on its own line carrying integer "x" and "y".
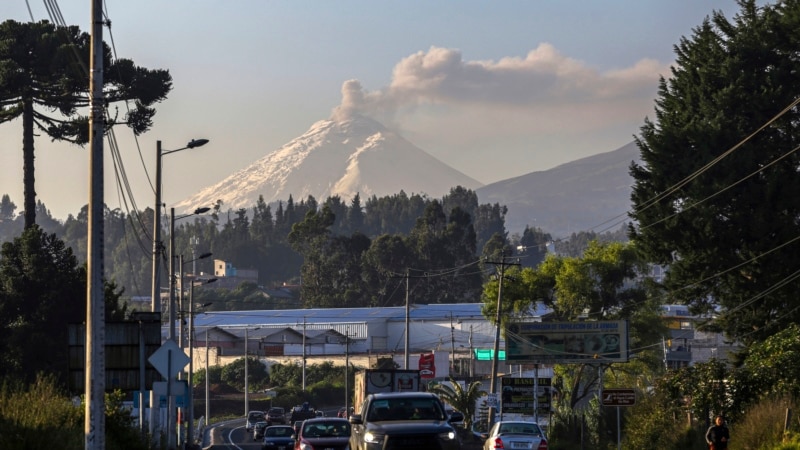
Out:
{"x": 344, "y": 158}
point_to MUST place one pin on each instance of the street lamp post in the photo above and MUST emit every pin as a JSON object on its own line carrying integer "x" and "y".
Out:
{"x": 155, "y": 292}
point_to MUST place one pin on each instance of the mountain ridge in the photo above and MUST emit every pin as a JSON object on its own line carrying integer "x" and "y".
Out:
{"x": 354, "y": 156}
{"x": 358, "y": 155}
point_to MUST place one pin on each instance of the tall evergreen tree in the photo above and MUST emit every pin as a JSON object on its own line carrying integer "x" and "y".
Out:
{"x": 45, "y": 67}
{"x": 42, "y": 291}
{"x": 715, "y": 197}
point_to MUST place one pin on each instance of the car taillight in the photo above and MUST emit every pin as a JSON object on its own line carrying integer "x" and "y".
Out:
{"x": 543, "y": 444}
{"x": 498, "y": 443}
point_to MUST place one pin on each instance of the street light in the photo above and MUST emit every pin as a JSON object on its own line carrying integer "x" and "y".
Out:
{"x": 155, "y": 292}
{"x": 155, "y": 299}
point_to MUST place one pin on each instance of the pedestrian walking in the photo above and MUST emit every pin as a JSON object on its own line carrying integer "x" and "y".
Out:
{"x": 717, "y": 435}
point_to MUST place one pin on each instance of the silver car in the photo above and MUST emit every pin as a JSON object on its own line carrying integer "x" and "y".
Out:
{"x": 513, "y": 435}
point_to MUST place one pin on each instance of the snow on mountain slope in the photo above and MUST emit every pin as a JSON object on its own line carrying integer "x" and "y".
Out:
{"x": 353, "y": 156}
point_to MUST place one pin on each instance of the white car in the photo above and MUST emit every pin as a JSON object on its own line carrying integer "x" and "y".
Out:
{"x": 515, "y": 435}
{"x": 252, "y": 418}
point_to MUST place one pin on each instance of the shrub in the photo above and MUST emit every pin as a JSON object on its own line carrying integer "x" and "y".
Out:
{"x": 762, "y": 426}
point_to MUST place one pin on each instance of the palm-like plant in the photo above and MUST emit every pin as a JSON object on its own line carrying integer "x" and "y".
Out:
{"x": 460, "y": 398}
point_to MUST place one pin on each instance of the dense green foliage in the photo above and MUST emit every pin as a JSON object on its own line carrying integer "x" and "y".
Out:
{"x": 359, "y": 253}
{"x": 39, "y": 415}
{"x": 715, "y": 197}
{"x": 768, "y": 373}
{"x": 44, "y": 67}
{"x": 42, "y": 291}
{"x": 258, "y": 377}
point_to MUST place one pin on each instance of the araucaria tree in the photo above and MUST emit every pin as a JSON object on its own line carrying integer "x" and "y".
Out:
{"x": 716, "y": 194}
{"x": 44, "y": 79}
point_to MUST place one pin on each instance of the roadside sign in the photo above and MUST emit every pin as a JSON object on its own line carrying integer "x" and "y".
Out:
{"x": 492, "y": 400}
{"x": 619, "y": 397}
{"x": 179, "y": 390}
{"x": 169, "y": 356}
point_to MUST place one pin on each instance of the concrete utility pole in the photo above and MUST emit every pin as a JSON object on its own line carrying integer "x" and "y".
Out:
{"x": 304, "y": 353}
{"x": 498, "y": 316}
{"x": 95, "y": 369}
{"x": 408, "y": 311}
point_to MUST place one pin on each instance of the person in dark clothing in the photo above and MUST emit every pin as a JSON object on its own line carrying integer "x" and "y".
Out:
{"x": 717, "y": 435}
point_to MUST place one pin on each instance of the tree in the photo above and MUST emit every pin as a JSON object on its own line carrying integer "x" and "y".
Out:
{"x": 714, "y": 197}
{"x": 42, "y": 291}
{"x": 462, "y": 399}
{"x": 257, "y": 374}
{"x": 604, "y": 284}
{"x": 45, "y": 67}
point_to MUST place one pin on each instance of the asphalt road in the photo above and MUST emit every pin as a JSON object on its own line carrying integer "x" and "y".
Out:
{"x": 231, "y": 435}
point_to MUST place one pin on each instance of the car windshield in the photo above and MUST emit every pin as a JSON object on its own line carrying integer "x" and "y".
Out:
{"x": 423, "y": 408}
{"x": 278, "y": 431}
{"x": 255, "y": 416}
{"x": 339, "y": 428}
{"x": 520, "y": 428}
{"x": 276, "y": 411}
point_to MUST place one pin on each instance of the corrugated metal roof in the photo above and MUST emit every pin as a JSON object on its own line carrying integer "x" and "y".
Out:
{"x": 293, "y": 317}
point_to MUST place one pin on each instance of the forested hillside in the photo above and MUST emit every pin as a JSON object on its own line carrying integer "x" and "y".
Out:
{"x": 345, "y": 254}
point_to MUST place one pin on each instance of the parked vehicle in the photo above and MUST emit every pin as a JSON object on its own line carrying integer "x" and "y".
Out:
{"x": 508, "y": 434}
{"x": 278, "y": 437}
{"x": 276, "y": 415}
{"x": 252, "y": 418}
{"x": 258, "y": 430}
{"x": 373, "y": 381}
{"x": 403, "y": 420}
{"x": 323, "y": 434}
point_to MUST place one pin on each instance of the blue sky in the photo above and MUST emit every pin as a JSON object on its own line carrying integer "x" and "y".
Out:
{"x": 495, "y": 89}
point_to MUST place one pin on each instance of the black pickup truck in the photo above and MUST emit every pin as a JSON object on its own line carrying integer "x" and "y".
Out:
{"x": 404, "y": 420}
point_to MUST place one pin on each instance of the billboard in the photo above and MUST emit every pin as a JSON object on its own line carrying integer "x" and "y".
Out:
{"x": 518, "y": 395}
{"x": 567, "y": 342}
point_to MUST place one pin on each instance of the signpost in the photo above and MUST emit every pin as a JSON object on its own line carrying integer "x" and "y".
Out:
{"x": 618, "y": 397}
{"x": 169, "y": 360}
{"x": 523, "y": 395}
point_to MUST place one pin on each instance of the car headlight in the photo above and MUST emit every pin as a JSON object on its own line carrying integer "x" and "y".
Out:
{"x": 304, "y": 446}
{"x": 448, "y": 436}
{"x": 373, "y": 438}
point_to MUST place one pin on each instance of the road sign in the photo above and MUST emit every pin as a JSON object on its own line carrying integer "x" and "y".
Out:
{"x": 492, "y": 400}
{"x": 169, "y": 351}
{"x": 179, "y": 390}
{"x": 619, "y": 397}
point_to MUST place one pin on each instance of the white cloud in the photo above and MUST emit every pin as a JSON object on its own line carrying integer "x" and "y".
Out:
{"x": 543, "y": 79}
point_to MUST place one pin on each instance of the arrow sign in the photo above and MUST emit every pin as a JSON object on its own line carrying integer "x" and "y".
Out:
{"x": 169, "y": 355}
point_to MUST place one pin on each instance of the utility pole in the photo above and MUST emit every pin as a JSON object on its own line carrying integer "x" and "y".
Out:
{"x": 408, "y": 311}
{"x": 346, "y": 371}
{"x": 304, "y": 353}
{"x": 94, "y": 424}
{"x": 452, "y": 346}
{"x": 498, "y": 316}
